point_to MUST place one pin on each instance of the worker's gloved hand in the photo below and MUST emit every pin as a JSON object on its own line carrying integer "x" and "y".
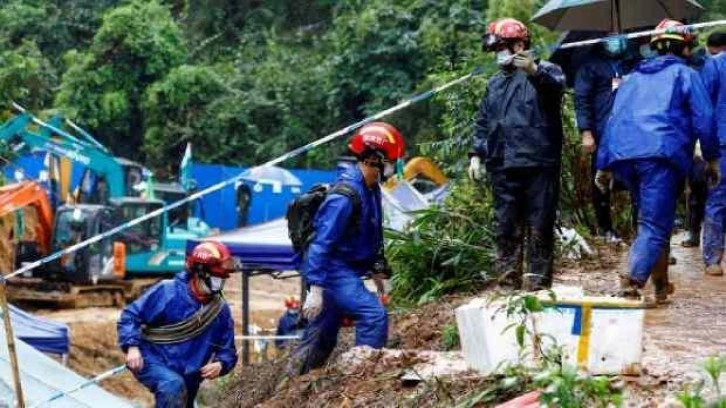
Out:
{"x": 313, "y": 303}
{"x": 604, "y": 180}
{"x": 476, "y": 170}
{"x": 211, "y": 370}
{"x": 588, "y": 142}
{"x": 134, "y": 360}
{"x": 524, "y": 60}
{"x": 713, "y": 173}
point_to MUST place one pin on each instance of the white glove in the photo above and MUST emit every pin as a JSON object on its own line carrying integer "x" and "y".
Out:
{"x": 475, "y": 168}
{"x": 524, "y": 60}
{"x": 604, "y": 180}
{"x": 313, "y": 303}
{"x": 697, "y": 151}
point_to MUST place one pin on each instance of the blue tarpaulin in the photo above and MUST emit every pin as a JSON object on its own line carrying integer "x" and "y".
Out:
{"x": 266, "y": 205}
{"x": 43, "y": 334}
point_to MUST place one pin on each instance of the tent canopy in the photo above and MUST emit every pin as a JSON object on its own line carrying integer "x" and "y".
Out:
{"x": 45, "y": 335}
{"x": 268, "y": 246}
{"x": 42, "y": 377}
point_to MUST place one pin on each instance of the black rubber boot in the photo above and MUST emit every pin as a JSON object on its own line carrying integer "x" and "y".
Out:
{"x": 692, "y": 240}
{"x": 661, "y": 283}
{"x": 508, "y": 265}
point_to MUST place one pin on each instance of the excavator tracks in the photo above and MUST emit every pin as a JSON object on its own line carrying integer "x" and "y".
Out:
{"x": 65, "y": 295}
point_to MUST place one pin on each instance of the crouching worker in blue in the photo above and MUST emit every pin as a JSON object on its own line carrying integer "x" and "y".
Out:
{"x": 180, "y": 332}
{"x": 346, "y": 245}
{"x": 659, "y": 114}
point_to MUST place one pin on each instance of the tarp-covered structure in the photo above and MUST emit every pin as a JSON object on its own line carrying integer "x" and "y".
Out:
{"x": 268, "y": 246}
{"x": 43, "y": 334}
{"x": 42, "y": 377}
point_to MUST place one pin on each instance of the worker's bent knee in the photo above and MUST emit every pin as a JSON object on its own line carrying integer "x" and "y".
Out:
{"x": 372, "y": 329}
{"x": 171, "y": 392}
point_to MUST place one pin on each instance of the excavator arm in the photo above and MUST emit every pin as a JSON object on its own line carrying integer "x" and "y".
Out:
{"x": 29, "y": 193}
{"x": 15, "y": 132}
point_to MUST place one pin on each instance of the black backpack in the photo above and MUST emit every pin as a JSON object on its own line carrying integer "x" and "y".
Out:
{"x": 301, "y": 212}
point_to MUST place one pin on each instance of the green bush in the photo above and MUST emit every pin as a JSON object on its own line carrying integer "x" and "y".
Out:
{"x": 446, "y": 250}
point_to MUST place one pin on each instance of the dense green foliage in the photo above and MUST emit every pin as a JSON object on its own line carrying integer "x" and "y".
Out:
{"x": 245, "y": 81}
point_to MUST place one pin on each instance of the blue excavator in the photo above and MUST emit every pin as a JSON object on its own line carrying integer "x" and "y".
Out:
{"x": 119, "y": 268}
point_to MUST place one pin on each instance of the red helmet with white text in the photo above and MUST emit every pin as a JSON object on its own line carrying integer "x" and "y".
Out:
{"x": 378, "y": 137}
{"x": 211, "y": 258}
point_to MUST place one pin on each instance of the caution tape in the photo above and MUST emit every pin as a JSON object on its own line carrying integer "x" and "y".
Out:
{"x": 645, "y": 33}
{"x": 296, "y": 152}
{"x": 94, "y": 380}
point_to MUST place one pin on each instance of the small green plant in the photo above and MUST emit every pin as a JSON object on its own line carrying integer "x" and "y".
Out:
{"x": 450, "y": 337}
{"x": 692, "y": 395}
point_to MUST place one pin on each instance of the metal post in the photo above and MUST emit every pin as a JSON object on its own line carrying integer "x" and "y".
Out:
{"x": 245, "y": 316}
{"x": 11, "y": 343}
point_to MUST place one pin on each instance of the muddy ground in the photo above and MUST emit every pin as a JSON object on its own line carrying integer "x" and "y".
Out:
{"x": 677, "y": 340}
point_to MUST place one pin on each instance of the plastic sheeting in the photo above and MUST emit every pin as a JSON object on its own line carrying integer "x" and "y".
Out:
{"x": 42, "y": 377}
{"x": 43, "y": 334}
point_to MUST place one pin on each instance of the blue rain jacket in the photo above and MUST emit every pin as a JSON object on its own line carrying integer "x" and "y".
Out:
{"x": 169, "y": 302}
{"x": 594, "y": 93}
{"x": 659, "y": 113}
{"x": 714, "y": 79}
{"x": 342, "y": 247}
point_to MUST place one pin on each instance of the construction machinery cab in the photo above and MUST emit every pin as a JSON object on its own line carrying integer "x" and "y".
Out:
{"x": 94, "y": 188}
{"x": 74, "y": 224}
{"x": 94, "y": 263}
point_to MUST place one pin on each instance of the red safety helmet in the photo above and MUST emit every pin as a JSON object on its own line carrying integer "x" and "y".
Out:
{"x": 675, "y": 31}
{"x": 292, "y": 303}
{"x": 379, "y": 137}
{"x": 504, "y": 30}
{"x": 211, "y": 258}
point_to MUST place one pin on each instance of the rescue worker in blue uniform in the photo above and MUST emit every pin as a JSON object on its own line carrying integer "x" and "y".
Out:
{"x": 697, "y": 189}
{"x": 171, "y": 361}
{"x": 518, "y": 136}
{"x": 596, "y": 85}
{"x": 659, "y": 114}
{"x": 289, "y": 323}
{"x": 714, "y": 225}
{"x": 345, "y": 250}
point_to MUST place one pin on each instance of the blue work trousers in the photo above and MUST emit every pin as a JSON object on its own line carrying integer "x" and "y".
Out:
{"x": 342, "y": 296}
{"x": 170, "y": 389}
{"x": 714, "y": 223}
{"x": 655, "y": 184}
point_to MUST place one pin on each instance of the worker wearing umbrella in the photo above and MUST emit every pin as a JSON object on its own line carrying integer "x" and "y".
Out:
{"x": 714, "y": 226}
{"x": 596, "y": 84}
{"x": 518, "y": 136}
{"x": 658, "y": 115}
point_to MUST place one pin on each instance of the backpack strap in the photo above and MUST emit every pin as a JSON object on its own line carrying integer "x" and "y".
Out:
{"x": 345, "y": 189}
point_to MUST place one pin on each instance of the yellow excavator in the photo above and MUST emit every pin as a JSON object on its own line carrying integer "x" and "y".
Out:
{"x": 422, "y": 173}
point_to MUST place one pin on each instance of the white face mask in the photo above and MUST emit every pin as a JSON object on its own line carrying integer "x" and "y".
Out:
{"x": 388, "y": 170}
{"x": 216, "y": 284}
{"x": 504, "y": 58}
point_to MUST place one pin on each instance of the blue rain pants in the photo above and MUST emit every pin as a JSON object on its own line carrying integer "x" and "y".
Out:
{"x": 714, "y": 224}
{"x": 342, "y": 296}
{"x": 655, "y": 183}
{"x": 170, "y": 389}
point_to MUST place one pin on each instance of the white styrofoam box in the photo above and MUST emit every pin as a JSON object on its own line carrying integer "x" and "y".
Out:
{"x": 605, "y": 340}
